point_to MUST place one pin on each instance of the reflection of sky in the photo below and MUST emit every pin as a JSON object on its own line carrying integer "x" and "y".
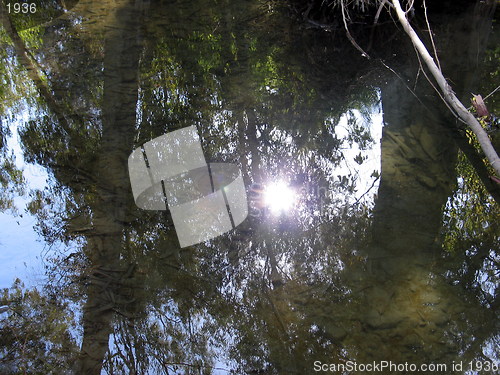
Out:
{"x": 364, "y": 175}
{"x": 20, "y": 246}
{"x": 365, "y": 183}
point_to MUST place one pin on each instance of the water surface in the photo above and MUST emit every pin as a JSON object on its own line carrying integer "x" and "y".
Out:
{"x": 378, "y": 243}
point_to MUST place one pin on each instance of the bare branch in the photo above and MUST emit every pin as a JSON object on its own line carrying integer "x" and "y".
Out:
{"x": 345, "y": 17}
{"x": 449, "y": 96}
{"x": 379, "y": 10}
{"x": 430, "y": 35}
{"x": 491, "y": 93}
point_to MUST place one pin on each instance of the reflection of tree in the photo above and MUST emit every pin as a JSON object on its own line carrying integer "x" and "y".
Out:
{"x": 33, "y": 69}
{"x": 107, "y": 200}
{"x": 406, "y": 297}
{"x": 279, "y": 293}
{"x": 408, "y": 302}
{"x": 109, "y": 279}
{"x": 42, "y": 12}
{"x": 470, "y": 235}
{"x": 11, "y": 182}
{"x": 35, "y": 332}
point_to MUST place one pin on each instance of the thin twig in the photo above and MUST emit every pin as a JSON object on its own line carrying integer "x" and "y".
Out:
{"x": 404, "y": 83}
{"x": 379, "y": 10}
{"x": 422, "y": 68}
{"x": 417, "y": 76}
{"x": 431, "y": 37}
{"x": 366, "y": 192}
{"x": 349, "y": 36}
{"x": 491, "y": 93}
{"x": 375, "y": 21}
{"x": 409, "y": 7}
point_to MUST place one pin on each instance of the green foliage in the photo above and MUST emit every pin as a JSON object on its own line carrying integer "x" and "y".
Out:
{"x": 44, "y": 11}
{"x": 12, "y": 183}
{"x": 36, "y": 332}
{"x": 16, "y": 90}
{"x": 471, "y": 212}
{"x": 470, "y": 233}
{"x": 274, "y": 292}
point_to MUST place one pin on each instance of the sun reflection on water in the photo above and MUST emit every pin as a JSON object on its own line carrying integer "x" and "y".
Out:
{"x": 279, "y": 197}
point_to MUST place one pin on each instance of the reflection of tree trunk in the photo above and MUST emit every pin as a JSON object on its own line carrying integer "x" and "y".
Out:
{"x": 404, "y": 301}
{"x": 418, "y": 165}
{"x": 242, "y": 145}
{"x": 257, "y": 176}
{"x": 411, "y": 312}
{"x": 253, "y": 142}
{"x": 104, "y": 246}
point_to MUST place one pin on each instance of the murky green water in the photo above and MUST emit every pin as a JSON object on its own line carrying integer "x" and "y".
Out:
{"x": 371, "y": 243}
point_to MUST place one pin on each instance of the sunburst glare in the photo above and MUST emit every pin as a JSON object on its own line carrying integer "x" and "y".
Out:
{"x": 279, "y": 197}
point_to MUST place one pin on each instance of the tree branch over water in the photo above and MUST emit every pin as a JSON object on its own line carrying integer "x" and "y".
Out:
{"x": 460, "y": 111}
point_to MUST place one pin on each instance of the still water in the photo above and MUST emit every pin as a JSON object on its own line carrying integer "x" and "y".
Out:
{"x": 371, "y": 240}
